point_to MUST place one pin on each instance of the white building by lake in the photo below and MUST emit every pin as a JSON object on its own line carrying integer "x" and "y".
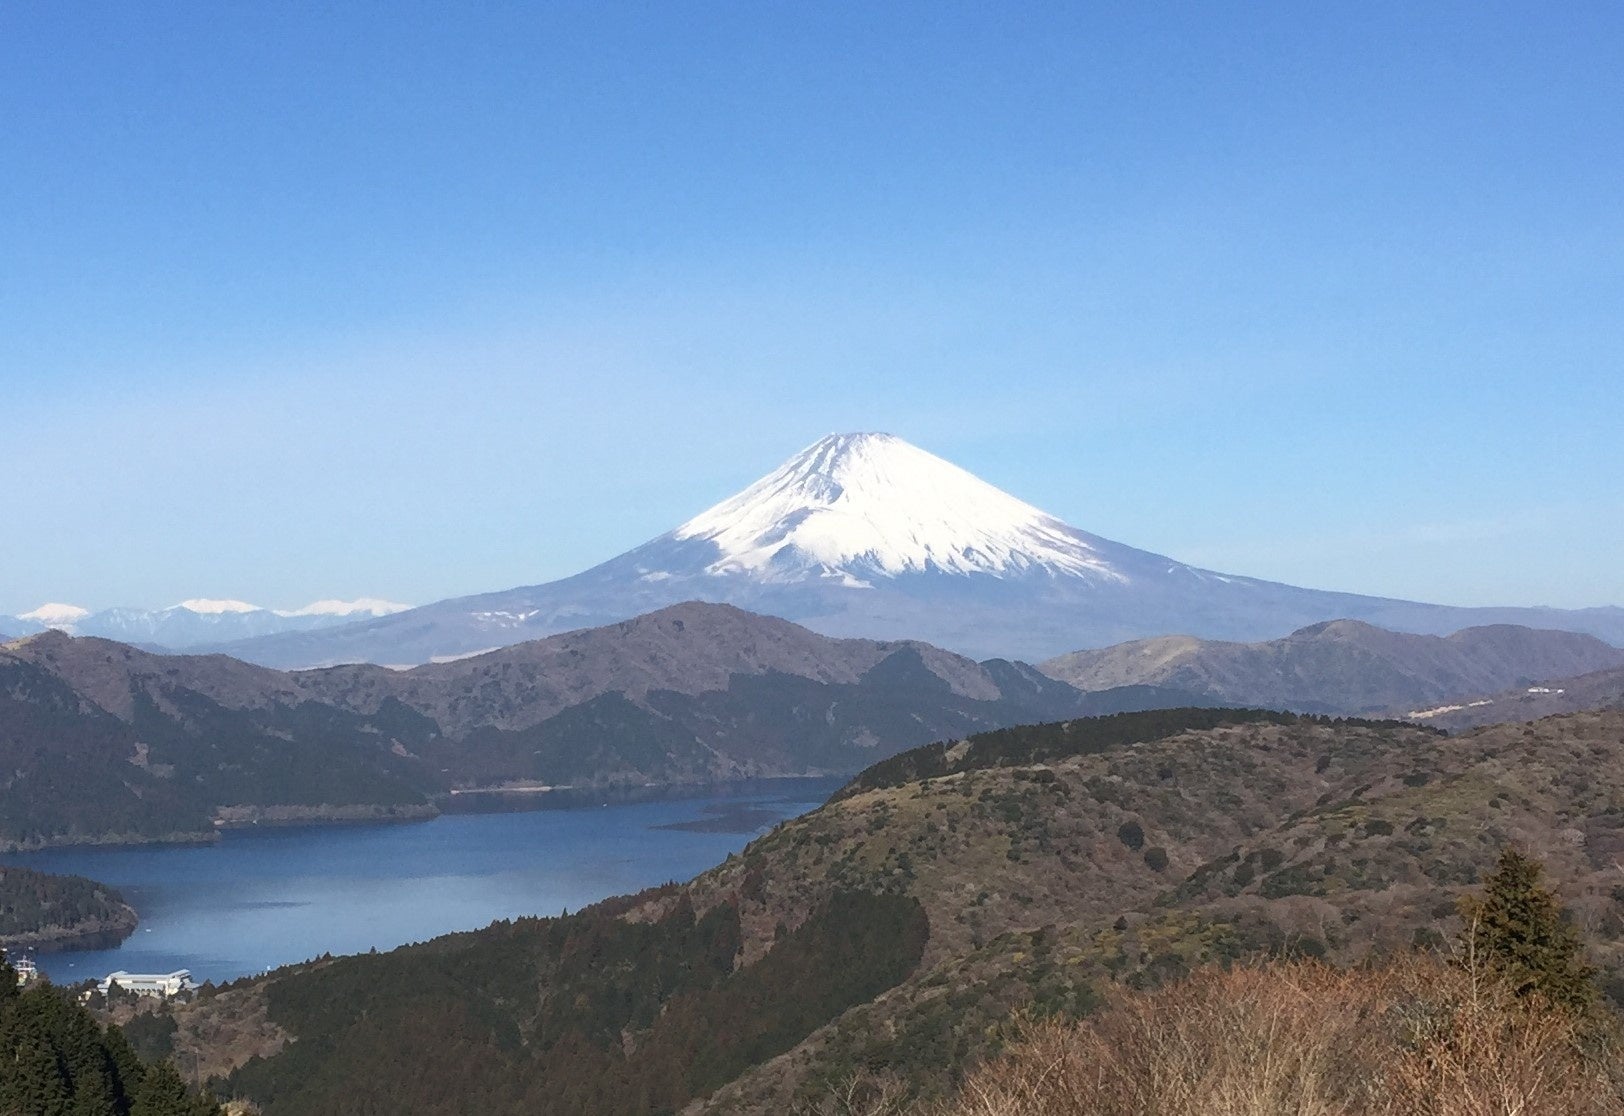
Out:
{"x": 149, "y": 984}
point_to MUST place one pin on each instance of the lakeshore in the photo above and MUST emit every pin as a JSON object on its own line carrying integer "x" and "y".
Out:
{"x": 263, "y": 896}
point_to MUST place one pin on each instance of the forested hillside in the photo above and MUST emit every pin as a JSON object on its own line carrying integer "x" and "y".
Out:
{"x": 77, "y": 772}
{"x": 106, "y": 742}
{"x": 631, "y": 1016}
{"x": 39, "y": 909}
{"x": 55, "y": 1059}
{"x": 1027, "y": 870}
{"x": 1031, "y": 744}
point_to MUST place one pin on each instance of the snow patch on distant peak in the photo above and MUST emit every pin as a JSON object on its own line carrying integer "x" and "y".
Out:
{"x": 853, "y": 506}
{"x": 369, "y": 606}
{"x": 56, "y": 615}
{"x": 206, "y": 607}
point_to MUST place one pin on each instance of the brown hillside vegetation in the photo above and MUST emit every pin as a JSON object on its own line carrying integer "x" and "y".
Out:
{"x": 1043, "y": 889}
{"x": 1343, "y": 666}
{"x": 1421, "y": 1038}
{"x": 1602, "y": 689}
{"x": 1051, "y": 869}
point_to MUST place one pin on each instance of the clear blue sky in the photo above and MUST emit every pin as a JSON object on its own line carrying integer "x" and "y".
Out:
{"x": 412, "y": 300}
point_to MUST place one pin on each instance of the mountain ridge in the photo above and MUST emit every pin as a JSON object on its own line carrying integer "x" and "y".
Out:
{"x": 1341, "y": 666}
{"x": 111, "y": 742}
{"x": 688, "y": 648}
{"x": 1597, "y": 690}
{"x": 194, "y": 622}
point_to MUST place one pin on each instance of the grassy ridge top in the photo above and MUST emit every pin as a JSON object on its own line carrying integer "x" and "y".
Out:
{"x": 1084, "y": 736}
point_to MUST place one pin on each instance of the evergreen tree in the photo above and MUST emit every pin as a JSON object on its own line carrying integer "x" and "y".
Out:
{"x": 56, "y": 1061}
{"x": 163, "y": 1093}
{"x": 1516, "y": 930}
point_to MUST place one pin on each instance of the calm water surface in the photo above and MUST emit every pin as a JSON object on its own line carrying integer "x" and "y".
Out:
{"x": 266, "y": 897}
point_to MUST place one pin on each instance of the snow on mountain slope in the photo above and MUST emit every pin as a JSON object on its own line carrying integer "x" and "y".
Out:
{"x": 865, "y": 535}
{"x": 853, "y": 506}
{"x": 194, "y": 622}
{"x": 53, "y": 615}
{"x": 361, "y": 606}
{"x": 205, "y": 607}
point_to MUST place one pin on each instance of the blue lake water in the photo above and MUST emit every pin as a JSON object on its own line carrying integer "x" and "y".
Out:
{"x": 266, "y": 897}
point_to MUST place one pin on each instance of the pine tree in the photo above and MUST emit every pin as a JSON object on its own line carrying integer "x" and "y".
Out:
{"x": 56, "y": 1061}
{"x": 1516, "y": 930}
{"x": 163, "y": 1093}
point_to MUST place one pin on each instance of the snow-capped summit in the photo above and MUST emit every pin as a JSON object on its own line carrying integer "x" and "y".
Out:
{"x": 866, "y": 535}
{"x": 855, "y": 506}
{"x": 54, "y": 615}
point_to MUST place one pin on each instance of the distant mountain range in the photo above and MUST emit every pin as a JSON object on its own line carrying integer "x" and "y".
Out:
{"x": 864, "y": 535}
{"x": 1342, "y": 667}
{"x": 1598, "y": 690}
{"x": 104, "y": 741}
{"x": 193, "y": 623}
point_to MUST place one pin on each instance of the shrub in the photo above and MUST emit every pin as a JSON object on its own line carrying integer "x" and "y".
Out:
{"x": 1421, "y": 1038}
{"x": 1132, "y": 834}
{"x": 1156, "y": 858}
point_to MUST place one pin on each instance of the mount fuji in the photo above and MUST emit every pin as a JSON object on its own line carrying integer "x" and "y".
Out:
{"x": 867, "y": 535}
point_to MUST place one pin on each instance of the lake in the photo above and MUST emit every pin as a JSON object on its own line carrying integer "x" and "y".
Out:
{"x": 265, "y": 897}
